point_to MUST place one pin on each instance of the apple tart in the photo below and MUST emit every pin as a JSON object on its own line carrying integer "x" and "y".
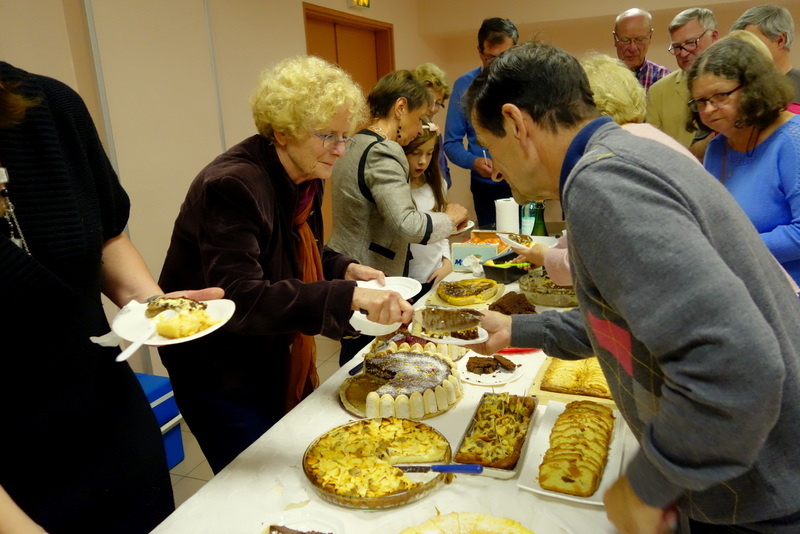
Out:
{"x": 576, "y": 377}
{"x": 356, "y": 460}
{"x": 467, "y": 292}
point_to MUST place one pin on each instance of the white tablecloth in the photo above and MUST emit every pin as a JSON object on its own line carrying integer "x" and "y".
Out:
{"x": 266, "y": 484}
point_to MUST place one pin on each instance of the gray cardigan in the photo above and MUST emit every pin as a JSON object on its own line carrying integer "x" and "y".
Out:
{"x": 374, "y": 218}
{"x": 696, "y": 328}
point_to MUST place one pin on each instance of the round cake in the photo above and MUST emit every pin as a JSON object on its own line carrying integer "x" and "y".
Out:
{"x": 408, "y": 381}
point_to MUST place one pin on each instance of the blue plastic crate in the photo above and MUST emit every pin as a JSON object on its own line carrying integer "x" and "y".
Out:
{"x": 159, "y": 393}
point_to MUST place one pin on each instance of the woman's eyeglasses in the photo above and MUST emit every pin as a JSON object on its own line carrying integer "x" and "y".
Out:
{"x": 719, "y": 99}
{"x": 330, "y": 141}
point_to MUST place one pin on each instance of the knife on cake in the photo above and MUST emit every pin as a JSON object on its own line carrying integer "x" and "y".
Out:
{"x": 464, "y": 469}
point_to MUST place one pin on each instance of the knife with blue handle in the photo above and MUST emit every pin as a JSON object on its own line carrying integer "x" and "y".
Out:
{"x": 465, "y": 469}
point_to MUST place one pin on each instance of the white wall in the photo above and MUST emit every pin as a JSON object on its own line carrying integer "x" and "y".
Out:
{"x": 176, "y": 75}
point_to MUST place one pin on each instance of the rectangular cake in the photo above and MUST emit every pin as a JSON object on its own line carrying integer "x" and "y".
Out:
{"x": 579, "y": 443}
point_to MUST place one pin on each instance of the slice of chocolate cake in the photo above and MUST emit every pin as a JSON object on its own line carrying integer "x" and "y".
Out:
{"x": 505, "y": 363}
{"x": 481, "y": 365}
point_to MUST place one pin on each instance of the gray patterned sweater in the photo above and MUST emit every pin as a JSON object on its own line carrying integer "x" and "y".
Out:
{"x": 696, "y": 328}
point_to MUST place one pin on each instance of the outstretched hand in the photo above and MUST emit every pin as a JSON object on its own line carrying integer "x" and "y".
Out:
{"x": 533, "y": 254}
{"x": 498, "y": 327}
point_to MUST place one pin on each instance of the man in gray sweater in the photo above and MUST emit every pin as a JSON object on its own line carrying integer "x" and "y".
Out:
{"x": 695, "y": 325}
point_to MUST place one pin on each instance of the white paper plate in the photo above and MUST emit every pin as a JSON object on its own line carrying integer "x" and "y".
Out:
{"x": 529, "y": 477}
{"x": 360, "y": 322}
{"x": 130, "y": 322}
{"x": 467, "y": 227}
{"x": 511, "y": 243}
{"x": 498, "y": 378}
{"x": 483, "y": 335}
{"x": 407, "y": 287}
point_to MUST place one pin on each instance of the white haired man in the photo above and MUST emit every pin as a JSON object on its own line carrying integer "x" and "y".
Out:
{"x": 775, "y": 27}
{"x": 633, "y": 31}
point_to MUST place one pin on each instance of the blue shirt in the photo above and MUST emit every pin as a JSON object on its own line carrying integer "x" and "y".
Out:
{"x": 457, "y": 126}
{"x": 766, "y": 184}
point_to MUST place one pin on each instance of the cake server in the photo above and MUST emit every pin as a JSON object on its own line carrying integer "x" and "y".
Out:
{"x": 465, "y": 469}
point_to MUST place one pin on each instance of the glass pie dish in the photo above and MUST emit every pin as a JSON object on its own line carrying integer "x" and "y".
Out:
{"x": 428, "y": 482}
{"x": 540, "y": 290}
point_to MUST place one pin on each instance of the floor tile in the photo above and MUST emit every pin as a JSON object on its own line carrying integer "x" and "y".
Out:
{"x": 185, "y": 489}
{"x": 175, "y": 478}
{"x": 202, "y": 472}
{"x": 326, "y": 348}
{"x": 327, "y": 369}
{"x": 193, "y": 456}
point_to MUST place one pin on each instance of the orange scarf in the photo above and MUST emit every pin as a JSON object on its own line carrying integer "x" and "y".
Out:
{"x": 303, "y": 377}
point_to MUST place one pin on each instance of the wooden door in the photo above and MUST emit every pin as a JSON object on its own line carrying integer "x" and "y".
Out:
{"x": 362, "y": 47}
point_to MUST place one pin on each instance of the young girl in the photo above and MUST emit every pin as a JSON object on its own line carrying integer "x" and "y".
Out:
{"x": 429, "y": 263}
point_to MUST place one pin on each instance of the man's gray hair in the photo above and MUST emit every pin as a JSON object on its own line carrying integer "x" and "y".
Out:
{"x": 772, "y": 20}
{"x": 704, "y": 16}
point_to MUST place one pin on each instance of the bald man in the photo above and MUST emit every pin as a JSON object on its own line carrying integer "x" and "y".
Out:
{"x": 633, "y": 30}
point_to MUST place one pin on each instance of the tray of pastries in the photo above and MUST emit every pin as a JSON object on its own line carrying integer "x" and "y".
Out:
{"x": 576, "y": 453}
{"x": 568, "y": 380}
{"x": 353, "y": 465}
{"x": 497, "y": 433}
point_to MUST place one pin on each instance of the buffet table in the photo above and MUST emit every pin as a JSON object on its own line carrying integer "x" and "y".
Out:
{"x": 266, "y": 484}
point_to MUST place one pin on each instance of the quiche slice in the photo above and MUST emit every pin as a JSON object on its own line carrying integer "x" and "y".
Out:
{"x": 522, "y": 239}
{"x": 467, "y": 292}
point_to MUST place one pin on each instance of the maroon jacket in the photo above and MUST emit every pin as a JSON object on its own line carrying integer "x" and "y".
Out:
{"x": 235, "y": 231}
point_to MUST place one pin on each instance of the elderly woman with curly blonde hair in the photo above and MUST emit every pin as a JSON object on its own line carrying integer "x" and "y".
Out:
{"x": 251, "y": 223}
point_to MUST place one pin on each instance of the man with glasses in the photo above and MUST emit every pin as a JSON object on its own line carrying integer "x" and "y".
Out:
{"x": 691, "y": 32}
{"x": 496, "y": 35}
{"x": 689, "y": 315}
{"x": 633, "y": 31}
{"x": 775, "y": 27}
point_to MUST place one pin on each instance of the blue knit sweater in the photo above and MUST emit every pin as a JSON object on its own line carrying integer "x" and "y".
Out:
{"x": 766, "y": 184}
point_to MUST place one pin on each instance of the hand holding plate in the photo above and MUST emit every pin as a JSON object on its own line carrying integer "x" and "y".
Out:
{"x": 498, "y": 327}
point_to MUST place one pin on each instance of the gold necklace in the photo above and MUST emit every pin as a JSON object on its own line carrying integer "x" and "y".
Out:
{"x": 378, "y": 130}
